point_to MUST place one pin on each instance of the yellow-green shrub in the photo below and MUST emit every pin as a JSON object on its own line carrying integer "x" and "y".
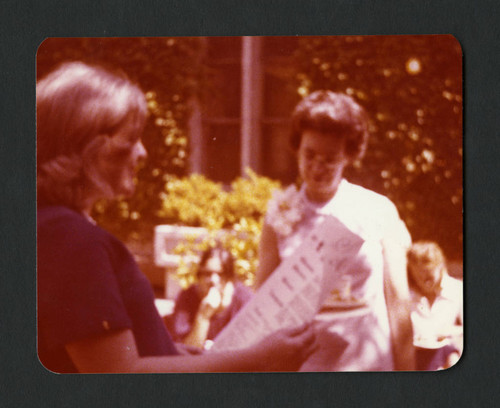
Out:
{"x": 234, "y": 217}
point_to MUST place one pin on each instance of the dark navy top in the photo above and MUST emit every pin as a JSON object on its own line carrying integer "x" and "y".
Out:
{"x": 89, "y": 284}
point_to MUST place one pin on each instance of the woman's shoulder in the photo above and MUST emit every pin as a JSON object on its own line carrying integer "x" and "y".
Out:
{"x": 371, "y": 211}
{"x": 68, "y": 228}
{"x": 75, "y": 239}
{"x": 59, "y": 218}
{"x": 358, "y": 198}
{"x": 452, "y": 286}
{"x": 362, "y": 193}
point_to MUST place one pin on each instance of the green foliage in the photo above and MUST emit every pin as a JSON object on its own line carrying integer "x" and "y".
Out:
{"x": 410, "y": 85}
{"x": 194, "y": 201}
{"x": 234, "y": 217}
{"x": 412, "y": 88}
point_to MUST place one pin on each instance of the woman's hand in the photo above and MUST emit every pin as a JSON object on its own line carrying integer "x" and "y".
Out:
{"x": 216, "y": 300}
{"x": 186, "y": 349}
{"x": 286, "y": 349}
{"x": 210, "y": 304}
{"x": 227, "y": 295}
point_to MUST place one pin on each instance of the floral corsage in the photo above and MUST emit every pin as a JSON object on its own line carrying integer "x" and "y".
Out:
{"x": 285, "y": 210}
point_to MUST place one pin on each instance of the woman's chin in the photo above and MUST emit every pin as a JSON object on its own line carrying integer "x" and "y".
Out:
{"x": 323, "y": 190}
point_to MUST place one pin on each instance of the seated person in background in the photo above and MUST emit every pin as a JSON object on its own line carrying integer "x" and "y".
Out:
{"x": 437, "y": 304}
{"x": 202, "y": 310}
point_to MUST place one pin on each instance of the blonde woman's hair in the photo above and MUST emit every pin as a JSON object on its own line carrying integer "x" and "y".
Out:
{"x": 426, "y": 252}
{"x": 78, "y": 108}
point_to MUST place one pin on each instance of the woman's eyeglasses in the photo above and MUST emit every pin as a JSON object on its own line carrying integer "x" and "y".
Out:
{"x": 328, "y": 162}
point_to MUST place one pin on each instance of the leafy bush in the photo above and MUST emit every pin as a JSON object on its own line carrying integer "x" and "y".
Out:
{"x": 234, "y": 217}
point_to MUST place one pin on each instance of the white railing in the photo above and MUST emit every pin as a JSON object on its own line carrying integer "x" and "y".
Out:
{"x": 167, "y": 237}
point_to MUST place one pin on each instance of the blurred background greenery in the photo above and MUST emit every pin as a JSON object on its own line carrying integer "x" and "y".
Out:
{"x": 410, "y": 85}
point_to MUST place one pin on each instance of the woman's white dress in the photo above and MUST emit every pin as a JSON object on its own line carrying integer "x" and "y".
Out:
{"x": 366, "y": 328}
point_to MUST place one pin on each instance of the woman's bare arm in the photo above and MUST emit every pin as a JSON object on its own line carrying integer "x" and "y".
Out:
{"x": 199, "y": 331}
{"x": 269, "y": 257}
{"x": 116, "y": 352}
{"x": 397, "y": 295}
{"x": 215, "y": 301}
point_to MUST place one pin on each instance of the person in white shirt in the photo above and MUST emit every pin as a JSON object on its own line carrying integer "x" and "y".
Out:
{"x": 437, "y": 308}
{"x": 329, "y": 133}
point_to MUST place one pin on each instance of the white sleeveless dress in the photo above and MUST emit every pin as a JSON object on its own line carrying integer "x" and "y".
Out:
{"x": 365, "y": 329}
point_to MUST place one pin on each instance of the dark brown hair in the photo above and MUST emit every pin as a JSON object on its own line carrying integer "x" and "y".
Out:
{"x": 334, "y": 114}
{"x": 225, "y": 257}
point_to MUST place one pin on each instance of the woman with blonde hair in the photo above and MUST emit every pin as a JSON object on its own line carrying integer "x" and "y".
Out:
{"x": 437, "y": 307}
{"x": 96, "y": 310}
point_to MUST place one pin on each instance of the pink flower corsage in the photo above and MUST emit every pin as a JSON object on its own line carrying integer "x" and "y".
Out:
{"x": 285, "y": 210}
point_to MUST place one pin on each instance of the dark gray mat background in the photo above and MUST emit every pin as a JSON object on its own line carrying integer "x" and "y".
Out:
{"x": 24, "y": 25}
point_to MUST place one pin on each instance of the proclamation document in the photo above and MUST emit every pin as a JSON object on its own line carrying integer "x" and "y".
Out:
{"x": 295, "y": 291}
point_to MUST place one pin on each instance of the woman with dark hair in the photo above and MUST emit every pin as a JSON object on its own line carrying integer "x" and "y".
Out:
{"x": 330, "y": 132}
{"x": 205, "y": 308}
{"x": 96, "y": 310}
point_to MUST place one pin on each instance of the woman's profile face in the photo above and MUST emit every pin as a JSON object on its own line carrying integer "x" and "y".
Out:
{"x": 120, "y": 159}
{"x": 321, "y": 162}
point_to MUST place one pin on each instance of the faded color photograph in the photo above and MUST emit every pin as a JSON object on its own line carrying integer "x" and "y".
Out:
{"x": 249, "y": 204}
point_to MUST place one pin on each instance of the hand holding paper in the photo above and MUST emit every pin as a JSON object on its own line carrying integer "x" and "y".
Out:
{"x": 296, "y": 290}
